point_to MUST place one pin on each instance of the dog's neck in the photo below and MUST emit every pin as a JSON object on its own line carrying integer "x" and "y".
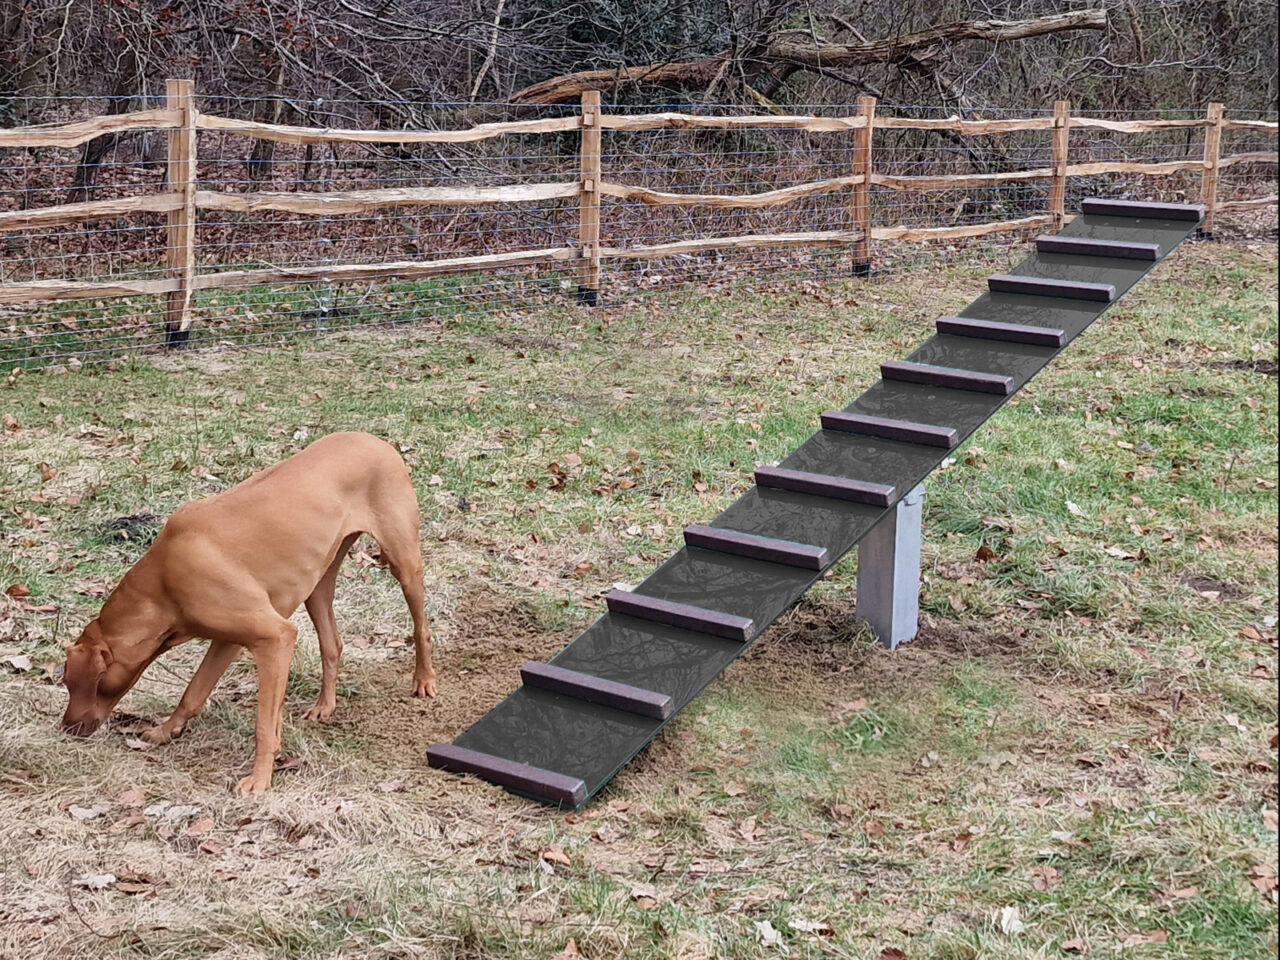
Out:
{"x": 133, "y": 625}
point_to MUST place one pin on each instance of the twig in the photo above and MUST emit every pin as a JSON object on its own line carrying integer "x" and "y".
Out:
{"x": 71, "y": 900}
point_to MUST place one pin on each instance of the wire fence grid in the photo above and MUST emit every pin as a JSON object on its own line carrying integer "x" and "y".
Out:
{"x": 673, "y": 160}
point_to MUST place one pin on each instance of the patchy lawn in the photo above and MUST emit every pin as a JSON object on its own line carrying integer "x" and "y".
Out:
{"x": 1077, "y": 755}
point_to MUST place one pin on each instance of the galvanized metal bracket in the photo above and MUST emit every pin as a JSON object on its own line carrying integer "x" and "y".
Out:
{"x": 889, "y": 572}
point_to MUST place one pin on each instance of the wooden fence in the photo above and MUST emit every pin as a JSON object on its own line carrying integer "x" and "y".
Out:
{"x": 182, "y": 199}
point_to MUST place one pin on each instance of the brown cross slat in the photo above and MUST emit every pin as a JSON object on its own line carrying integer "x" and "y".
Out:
{"x": 822, "y": 485}
{"x": 888, "y": 429}
{"x": 1007, "y": 332}
{"x": 584, "y": 686}
{"x": 789, "y": 552}
{"x": 1088, "y": 247}
{"x": 680, "y": 615}
{"x": 545, "y": 784}
{"x": 933, "y": 376}
{"x": 1048, "y": 287}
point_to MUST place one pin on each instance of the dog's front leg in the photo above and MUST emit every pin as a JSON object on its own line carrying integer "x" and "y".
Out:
{"x": 273, "y": 656}
{"x": 216, "y": 660}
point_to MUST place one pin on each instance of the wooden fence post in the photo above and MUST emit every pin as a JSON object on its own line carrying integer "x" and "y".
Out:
{"x": 1209, "y": 178}
{"x": 589, "y": 200}
{"x": 181, "y": 260}
{"x": 861, "y": 194}
{"x": 1058, "y": 164}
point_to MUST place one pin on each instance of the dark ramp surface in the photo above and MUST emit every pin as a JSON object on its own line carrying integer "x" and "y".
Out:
{"x": 562, "y": 749}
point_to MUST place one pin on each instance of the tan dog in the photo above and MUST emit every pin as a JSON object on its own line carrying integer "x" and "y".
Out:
{"x": 234, "y": 567}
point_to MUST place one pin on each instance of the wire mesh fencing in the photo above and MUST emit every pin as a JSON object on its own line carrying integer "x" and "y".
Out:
{"x": 265, "y": 247}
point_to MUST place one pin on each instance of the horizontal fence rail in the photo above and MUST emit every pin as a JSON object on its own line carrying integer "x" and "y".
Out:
{"x": 184, "y": 194}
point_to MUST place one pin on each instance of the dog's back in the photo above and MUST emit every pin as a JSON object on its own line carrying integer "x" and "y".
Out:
{"x": 286, "y": 524}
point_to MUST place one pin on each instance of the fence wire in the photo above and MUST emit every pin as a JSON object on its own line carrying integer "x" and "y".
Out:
{"x": 131, "y": 247}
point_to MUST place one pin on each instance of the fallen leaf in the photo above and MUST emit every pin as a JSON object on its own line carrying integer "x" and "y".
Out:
{"x": 199, "y": 827}
{"x": 1075, "y": 946}
{"x": 1137, "y": 939}
{"x": 133, "y": 797}
{"x": 874, "y": 828}
{"x": 1009, "y": 920}
{"x": 391, "y": 786}
{"x": 17, "y": 662}
{"x": 1042, "y": 878}
{"x": 95, "y": 881}
{"x": 1074, "y": 508}
{"x": 570, "y": 950}
{"x": 646, "y": 896}
{"x": 86, "y": 813}
{"x": 816, "y": 927}
{"x": 1263, "y": 878}
{"x": 555, "y": 854}
{"x": 892, "y": 953}
{"x": 747, "y": 829}
{"x": 607, "y": 833}
{"x": 19, "y": 591}
{"x": 767, "y": 934}
{"x": 126, "y": 823}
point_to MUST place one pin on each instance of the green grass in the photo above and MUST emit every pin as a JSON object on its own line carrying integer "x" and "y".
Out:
{"x": 1081, "y": 733}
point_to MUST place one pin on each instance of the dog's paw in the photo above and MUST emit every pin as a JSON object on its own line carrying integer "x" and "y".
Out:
{"x": 425, "y": 686}
{"x": 252, "y": 785}
{"x": 321, "y": 712}
{"x": 157, "y": 736}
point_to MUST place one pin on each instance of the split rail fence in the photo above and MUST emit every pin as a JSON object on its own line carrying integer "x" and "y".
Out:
{"x": 182, "y": 197}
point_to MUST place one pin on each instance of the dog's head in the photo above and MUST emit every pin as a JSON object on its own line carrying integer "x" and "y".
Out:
{"x": 95, "y": 681}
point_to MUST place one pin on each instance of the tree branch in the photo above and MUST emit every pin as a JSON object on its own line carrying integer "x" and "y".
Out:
{"x": 809, "y": 54}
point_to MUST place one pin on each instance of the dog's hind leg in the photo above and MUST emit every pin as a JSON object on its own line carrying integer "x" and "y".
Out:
{"x": 320, "y": 610}
{"x": 216, "y": 660}
{"x": 403, "y": 554}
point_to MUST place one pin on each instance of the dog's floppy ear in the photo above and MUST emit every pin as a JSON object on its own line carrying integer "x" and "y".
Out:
{"x": 87, "y": 660}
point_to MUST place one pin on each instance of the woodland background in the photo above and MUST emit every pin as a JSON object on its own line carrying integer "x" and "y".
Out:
{"x": 407, "y": 54}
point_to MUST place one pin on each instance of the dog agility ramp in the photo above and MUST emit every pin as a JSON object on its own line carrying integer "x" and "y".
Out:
{"x": 578, "y": 720}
